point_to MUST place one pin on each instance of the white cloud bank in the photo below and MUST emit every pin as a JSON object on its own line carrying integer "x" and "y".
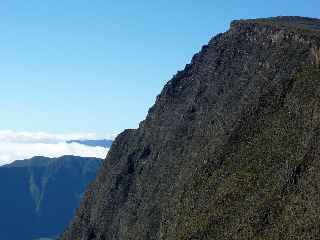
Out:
{"x": 24, "y": 145}
{"x": 43, "y": 137}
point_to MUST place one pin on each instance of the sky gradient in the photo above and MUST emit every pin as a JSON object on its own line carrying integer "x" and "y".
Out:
{"x": 97, "y": 66}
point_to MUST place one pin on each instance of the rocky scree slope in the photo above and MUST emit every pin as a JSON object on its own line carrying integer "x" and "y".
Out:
{"x": 230, "y": 150}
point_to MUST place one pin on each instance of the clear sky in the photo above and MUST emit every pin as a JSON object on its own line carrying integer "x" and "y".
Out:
{"x": 97, "y": 65}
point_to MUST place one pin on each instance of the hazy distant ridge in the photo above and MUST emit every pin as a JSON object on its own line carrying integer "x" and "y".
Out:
{"x": 106, "y": 143}
{"x": 41, "y": 194}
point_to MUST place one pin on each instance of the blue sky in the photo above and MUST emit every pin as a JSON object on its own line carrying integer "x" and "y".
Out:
{"x": 97, "y": 66}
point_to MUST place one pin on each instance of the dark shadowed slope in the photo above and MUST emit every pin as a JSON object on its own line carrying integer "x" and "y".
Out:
{"x": 39, "y": 196}
{"x": 230, "y": 150}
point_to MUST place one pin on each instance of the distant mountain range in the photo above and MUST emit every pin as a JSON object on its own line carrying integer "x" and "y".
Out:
{"x": 106, "y": 143}
{"x": 40, "y": 195}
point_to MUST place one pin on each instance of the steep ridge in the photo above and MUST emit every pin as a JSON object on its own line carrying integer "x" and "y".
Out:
{"x": 41, "y": 194}
{"x": 230, "y": 150}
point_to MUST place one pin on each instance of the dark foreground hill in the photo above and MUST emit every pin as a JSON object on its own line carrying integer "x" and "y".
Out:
{"x": 40, "y": 195}
{"x": 230, "y": 150}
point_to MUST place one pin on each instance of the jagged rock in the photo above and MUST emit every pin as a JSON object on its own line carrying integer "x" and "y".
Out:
{"x": 230, "y": 150}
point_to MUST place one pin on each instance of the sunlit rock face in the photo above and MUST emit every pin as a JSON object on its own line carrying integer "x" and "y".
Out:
{"x": 230, "y": 150}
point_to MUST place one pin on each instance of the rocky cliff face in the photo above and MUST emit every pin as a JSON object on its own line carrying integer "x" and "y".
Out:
{"x": 230, "y": 150}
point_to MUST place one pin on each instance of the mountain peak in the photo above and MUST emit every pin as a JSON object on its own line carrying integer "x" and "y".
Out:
{"x": 229, "y": 150}
{"x": 283, "y": 22}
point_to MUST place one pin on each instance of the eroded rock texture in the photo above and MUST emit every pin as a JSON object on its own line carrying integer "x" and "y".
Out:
{"x": 230, "y": 150}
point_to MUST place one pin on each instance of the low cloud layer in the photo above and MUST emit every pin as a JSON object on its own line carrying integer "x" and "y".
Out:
{"x": 24, "y": 145}
{"x": 43, "y": 137}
